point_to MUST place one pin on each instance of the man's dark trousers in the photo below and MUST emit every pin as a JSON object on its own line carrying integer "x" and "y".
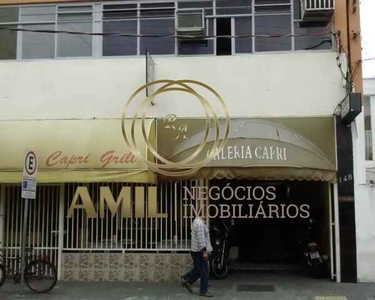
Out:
{"x": 200, "y": 270}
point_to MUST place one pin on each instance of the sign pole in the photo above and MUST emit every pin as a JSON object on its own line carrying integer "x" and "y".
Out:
{"x": 29, "y": 182}
{"x": 23, "y": 249}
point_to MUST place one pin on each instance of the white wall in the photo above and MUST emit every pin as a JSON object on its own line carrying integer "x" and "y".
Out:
{"x": 369, "y": 86}
{"x": 365, "y": 227}
{"x": 290, "y": 84}
{"x": 364, "y": 197}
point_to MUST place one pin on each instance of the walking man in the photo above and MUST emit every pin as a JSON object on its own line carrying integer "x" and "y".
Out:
{"x": 200, "y": 251}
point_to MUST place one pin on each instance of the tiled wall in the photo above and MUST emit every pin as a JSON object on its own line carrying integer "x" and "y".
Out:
{"x": 155, "y": 267}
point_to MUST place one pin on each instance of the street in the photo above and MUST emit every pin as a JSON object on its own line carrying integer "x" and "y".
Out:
{"x": 260, "y": 286}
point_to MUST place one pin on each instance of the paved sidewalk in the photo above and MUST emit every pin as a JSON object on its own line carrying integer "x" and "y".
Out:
{"x": 286, "y": 287}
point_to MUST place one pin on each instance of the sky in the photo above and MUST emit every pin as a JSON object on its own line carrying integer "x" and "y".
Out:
{"x": 368, "y": 37}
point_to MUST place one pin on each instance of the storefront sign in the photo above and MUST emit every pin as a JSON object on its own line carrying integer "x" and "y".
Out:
{"x": 123, "y": 200}
{"x": 73, "y": 151}
{"x": 108, "y": 159}
{"x": 258, "y": 202}
{"x": 244, "y": 152}
{"x": 263, "y": 149}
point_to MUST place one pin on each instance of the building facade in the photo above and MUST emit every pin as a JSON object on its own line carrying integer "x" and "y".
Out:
{"x": 364, "y": 165}
{"x": 282, "y": 68}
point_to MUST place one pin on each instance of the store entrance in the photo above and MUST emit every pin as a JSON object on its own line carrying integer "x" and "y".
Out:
{"x": 270, "y": 232}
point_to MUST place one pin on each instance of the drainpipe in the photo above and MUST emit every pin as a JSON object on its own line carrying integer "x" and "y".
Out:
{"x": 348, "y": 40}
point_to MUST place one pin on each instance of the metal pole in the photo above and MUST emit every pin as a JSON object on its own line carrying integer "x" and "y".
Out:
{"x": 337, "y": 233}
{"x": 23, "y": 252}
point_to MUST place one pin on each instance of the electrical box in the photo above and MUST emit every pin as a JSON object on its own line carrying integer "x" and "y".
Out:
{"x": 351, "y": 108}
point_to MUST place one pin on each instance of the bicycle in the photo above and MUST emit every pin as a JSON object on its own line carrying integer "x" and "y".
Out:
{"x": 38, "y": 270}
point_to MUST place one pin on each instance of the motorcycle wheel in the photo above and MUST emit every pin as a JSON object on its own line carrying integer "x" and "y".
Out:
{"x": 220, "y": 271}
{"x": 2, "y": 274}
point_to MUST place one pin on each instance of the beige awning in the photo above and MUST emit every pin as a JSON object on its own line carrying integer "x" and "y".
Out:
{"x": 73, "y": 151}
{"x": 262, "y": 150}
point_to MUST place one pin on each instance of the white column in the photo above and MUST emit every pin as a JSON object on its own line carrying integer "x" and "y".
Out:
{"x": 359, "y": 151}
{"x": 97, "y": 40}
{"x": 2, "y": 214}
{"x": 61, "y": 230}
{"x": 331, "y": 228}
{"x": 337, "y": 232}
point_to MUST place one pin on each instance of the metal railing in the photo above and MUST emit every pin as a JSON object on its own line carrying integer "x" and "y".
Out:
{"x": 115, "y": 233}
{"x": 42, "y": 227}
{"x": 317, "y": 4}
{"x": 51, "y": 231}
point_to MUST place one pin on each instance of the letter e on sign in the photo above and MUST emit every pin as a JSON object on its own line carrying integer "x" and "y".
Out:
{"x": 30, "y": 171}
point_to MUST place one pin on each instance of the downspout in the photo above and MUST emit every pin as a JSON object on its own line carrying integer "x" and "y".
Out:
{"x": 348, "y": 43}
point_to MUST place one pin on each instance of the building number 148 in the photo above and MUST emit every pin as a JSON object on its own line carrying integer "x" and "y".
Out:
{"x": 346, "y": 178}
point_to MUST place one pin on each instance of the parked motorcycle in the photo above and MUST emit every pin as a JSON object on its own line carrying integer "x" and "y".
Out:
{"x": 315, "y": 262}
{"x": 220, "y": 240}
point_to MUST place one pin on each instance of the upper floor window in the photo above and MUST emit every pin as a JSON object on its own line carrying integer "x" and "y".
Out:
{"x": 368, "y": 128}
{"x": 74, "y": 19}
{"x": 132, "y": 28}
{"x": 34, "y": 44}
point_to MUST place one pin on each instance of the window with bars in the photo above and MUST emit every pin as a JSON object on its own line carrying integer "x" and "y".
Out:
{"x": 139, "y": 26}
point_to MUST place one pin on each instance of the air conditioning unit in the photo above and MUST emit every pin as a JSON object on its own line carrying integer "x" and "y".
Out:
{"x": 190, "y": 24}
{"x": 317, "y": 10}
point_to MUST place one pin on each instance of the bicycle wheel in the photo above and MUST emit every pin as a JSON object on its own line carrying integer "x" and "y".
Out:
{"x": 2, "y": 275}
{"x": 40, "y": 276}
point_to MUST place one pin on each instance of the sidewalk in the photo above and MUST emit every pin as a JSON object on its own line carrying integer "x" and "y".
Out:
{"x": 286, "y": 287}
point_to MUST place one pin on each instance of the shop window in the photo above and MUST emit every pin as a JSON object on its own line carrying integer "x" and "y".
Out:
{"x": 223, "y": 44}
{"x": 243, "y": 26}
{"x": 273, "y": 25}
{"x": 8, "y": 39}
{"x": 38, "y": 45}
{"x": 76, "y": 19}
{"x": 368, "y": 128}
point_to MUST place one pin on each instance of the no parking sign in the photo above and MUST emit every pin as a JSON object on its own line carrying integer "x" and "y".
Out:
{"x": 30, "y": 172}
